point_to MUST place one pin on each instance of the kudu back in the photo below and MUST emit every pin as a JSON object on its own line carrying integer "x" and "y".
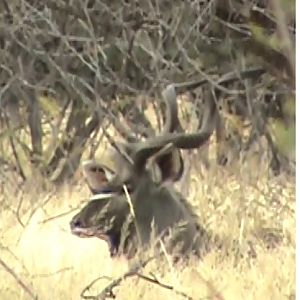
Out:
{"x": 135, "y": 205}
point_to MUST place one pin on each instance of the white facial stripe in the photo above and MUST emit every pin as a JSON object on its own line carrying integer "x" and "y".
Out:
{"x": 103, "y": 196}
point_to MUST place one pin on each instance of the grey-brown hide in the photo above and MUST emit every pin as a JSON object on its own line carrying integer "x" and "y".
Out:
{"x": 156, "y": 207}
{"x": 157, "y": 210}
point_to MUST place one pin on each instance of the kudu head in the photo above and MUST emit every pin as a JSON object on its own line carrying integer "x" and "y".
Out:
{"x": 126, "y": 218}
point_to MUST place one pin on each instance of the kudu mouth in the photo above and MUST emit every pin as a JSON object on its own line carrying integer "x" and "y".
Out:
{"x": 86, "y": 232}
{"x": 112, "y": 240}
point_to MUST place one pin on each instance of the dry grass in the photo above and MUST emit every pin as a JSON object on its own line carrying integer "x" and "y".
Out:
{"x": 243, "y": 206}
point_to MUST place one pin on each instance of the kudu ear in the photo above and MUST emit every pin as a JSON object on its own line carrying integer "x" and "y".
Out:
{"x": 170, "y": 165}
{"x": 97, "y": 176}
{"x": 169, "y": 162}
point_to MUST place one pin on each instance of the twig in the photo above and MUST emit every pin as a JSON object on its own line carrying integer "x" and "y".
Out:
{"x": 20, "y": 202}
{"x": 15, "y": 152}
{"x": 128, "y": 198}
{"x": 18, "y": 280}
{"x": 107, "y": 292}
{"x": 53, "y": 273}
{"x": 90, "y": 285}
{"x": 58, "y": 216}
{"x": 154, "y": 280}
{"x": 46, "y": 199}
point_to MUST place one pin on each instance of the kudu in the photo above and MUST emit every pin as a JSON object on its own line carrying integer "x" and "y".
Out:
{"x": 148, "y": 209}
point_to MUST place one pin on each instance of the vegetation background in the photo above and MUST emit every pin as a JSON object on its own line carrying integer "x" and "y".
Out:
{"x": 75, "y": 75}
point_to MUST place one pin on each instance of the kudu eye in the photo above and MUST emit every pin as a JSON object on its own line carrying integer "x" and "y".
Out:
{"x": 97, "y": 169}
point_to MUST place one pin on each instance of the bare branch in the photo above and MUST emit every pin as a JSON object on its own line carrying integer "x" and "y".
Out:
{"x": 107, "y": 292}
{"x": 18, "y": 280}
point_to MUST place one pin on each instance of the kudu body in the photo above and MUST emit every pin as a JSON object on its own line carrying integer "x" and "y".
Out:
{"x": 148, "y": 209}
{"x": 154, "y": 211}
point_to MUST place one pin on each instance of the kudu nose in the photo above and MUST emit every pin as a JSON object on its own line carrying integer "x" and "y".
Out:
{"x": 75, "y": 224}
